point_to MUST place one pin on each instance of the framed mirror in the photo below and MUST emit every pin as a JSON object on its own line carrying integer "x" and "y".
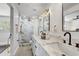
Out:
{"x": 44, "y": 23}
{"x": 70, "y": 20}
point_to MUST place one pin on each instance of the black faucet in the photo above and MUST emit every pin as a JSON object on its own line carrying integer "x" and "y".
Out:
{"x": 69, "y": 37}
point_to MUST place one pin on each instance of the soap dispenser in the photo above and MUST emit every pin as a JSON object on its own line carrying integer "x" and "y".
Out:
{"x": 43, "y": 35}
{"x": 77, "y": 45}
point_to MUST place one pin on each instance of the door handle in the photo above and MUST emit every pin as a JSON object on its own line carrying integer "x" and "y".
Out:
{"x": 35, "y": 46}
{"x": 10, "y": 36}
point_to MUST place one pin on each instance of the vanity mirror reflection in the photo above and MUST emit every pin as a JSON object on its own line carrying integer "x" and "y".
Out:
{"x": 44, "y": 21}
{"x": 70, "y": 13}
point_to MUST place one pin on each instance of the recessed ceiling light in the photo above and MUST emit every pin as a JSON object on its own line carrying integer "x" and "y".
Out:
{"x": 34, "y": 9}
{"x": 19, "y": 4}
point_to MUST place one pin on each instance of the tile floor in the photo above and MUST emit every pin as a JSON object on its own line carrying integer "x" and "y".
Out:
{"x": 24, "y": 51}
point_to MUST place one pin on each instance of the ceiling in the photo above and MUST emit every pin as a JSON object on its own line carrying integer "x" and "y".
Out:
{"x": 36, "y": 9}
{"x": 32, "y": 9}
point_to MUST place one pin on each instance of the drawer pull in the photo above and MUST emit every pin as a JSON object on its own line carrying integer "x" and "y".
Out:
{"x": 35, "y": 46}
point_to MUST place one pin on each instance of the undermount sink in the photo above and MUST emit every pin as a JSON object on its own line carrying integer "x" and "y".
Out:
{"x": 51, "y": 40}
{"x": 61, "y": 49}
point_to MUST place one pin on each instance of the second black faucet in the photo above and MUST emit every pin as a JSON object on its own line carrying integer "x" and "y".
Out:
{"x": 69, "y": 37}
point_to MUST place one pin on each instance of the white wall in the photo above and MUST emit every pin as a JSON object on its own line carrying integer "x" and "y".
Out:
{"x": 56, "y": 18}
{"x": 4, "y": 9}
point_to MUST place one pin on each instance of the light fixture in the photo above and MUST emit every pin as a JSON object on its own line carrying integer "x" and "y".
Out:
{"x": 34, "y": 9}
{"x": 46, "y": 12}
{"x": 19, "y": 4}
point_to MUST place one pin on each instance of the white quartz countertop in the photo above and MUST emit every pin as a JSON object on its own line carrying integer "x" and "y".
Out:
{"x": 45, "y": 44}
{"x": 49, "y": 50}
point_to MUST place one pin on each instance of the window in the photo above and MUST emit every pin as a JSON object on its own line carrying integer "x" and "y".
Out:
{"x": 4, "y": 23}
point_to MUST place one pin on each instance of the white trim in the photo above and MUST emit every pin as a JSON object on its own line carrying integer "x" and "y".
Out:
{"x": 15, "y": 51}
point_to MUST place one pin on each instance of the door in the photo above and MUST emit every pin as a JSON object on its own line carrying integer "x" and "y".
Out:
{"x": 4, "y": 29}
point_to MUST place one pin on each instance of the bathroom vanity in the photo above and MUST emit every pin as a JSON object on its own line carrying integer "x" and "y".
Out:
{"x": 37, "y": 49}
{"x": 52, "y": 46}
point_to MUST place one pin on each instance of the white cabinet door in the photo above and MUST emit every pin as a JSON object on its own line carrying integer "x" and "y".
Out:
{"x": 40, "y": 51}
{"x": 37, "y": 49}
{"x": 33, "y": 49}
{"x": 33, "y": 46}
